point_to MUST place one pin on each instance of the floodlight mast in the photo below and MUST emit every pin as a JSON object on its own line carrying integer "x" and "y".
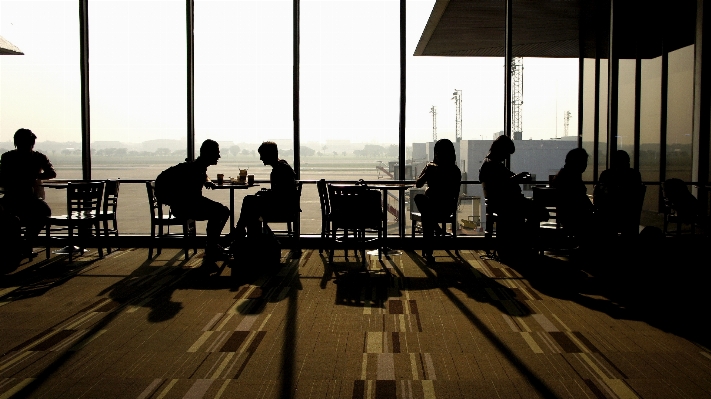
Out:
{"x": 457, "y": 97}
{"x": 566, "y": 123}
{"x": 433, "y": 111}
{"x": 517, "y": 98}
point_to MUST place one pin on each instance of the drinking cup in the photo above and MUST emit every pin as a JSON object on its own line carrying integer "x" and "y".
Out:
{"x": 220, "y": 179}
{"x": 250, "y": 180}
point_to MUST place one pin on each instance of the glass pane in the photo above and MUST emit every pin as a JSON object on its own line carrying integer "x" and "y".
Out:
{"x": 589, "y": 114}
{"x": 243, "y": 88}
{"x": 138, "y": 97}
{"x": 680, "y": 110}
{"x": 625, "y": 108}
{"x": 649, "y": 155}
{"x": 41, "y": 89}
{"x": 602, "y": 137}
{"x": 433, "y": 84}
{"x": 349, "y": 96}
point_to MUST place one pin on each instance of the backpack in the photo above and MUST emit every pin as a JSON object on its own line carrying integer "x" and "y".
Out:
{"x": 169, "y": 184}
{"x": 262, "y": 250}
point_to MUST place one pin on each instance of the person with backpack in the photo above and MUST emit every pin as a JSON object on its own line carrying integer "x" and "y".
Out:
{"x": 180, "y": 187}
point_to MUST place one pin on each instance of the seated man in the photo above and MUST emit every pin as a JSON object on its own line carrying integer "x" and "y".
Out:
{"x": 276, "y": 199}
{"x": 617, "y": 198}
{"x": 21, "y": 173}
{"x": 575, "y": 211}
{"x": 180, "y": 186}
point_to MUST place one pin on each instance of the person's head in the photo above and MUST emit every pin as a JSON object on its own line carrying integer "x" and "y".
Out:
{"x": 502, "y": 147}
{"x": 24, "y": 139}
{"x": 620, "y": 160}
{"x": 444, "y": 153}
{"x": 210, "y": 151}
{"x": 268, "y": 152}
{"x": 577, "y": 160}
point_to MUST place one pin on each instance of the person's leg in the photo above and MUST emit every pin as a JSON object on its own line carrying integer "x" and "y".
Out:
{"x": 425, "y": 207}
{"x": 248, "y": 216}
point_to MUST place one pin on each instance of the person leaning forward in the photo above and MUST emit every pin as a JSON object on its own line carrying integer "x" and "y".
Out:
{"x": 21, "y": 172}
{"x": 280, "y": 198}
{"x": 180, "y": 187}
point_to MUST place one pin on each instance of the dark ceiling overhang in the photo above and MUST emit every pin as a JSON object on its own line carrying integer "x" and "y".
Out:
{"x": 557, "y": 29}
{"x": 7, "y": 48}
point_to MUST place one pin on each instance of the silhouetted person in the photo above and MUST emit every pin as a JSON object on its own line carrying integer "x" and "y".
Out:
{"x": 574, "y": 211}
{"x": 617, "y": 197}
{"x": 21, "y": 173}
{"x": 680, "y": 199}
{"x": 504, "y": 197}
{"x": 180, "y": 186}
{"x": 280, "y": 198}
{"x": 443, "y": 178}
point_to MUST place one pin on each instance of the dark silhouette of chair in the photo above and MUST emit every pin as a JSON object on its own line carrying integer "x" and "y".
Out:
{"x": 358, "y": 209}
{"x": 108, "y": 210}
{"x": 83, "y": 206}
{"x": 680, "y": 206}
{"x": 325, "y": 212}
{"x": 489, "y": 231}
{"x": 441, "y": 222}
{"x": 159, "y": 220}
{"x": 290, "y": 218}
{"x": 550, "y": 233}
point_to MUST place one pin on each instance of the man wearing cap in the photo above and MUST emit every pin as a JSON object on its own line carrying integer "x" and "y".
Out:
{"x": 21, "y": 173}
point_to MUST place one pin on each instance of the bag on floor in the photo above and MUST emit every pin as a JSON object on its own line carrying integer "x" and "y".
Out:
{"x": 261, "y": 250}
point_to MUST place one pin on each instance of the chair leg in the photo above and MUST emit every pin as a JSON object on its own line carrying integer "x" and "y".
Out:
{"x": 105, "y": 232}
{"x": 46, "y": 250}
{"x": 454, "y": 235}
{"x": 98, "y": 234}
{"x": 333, "y": 246}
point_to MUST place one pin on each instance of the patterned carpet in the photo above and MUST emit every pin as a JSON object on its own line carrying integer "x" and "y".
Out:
{"x": 464, "y": 327}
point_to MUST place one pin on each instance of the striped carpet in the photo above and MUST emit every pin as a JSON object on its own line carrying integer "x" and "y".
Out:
{"x": 465, "y": 327}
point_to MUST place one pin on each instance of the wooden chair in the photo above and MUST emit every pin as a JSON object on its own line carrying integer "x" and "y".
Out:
{"x": 159, "y": 220}
{"x": 291, "y": 219}
{"x": 550, "y": 231}
{"x": 442, "y": 221}
{"x": 680, "y": 206}
{"x": 108, "y": 210}
{"x": 325, "y": 212}
{"x": 489, "y": 230}
{"x": 358, "y": 209}
{"x": 83, "y": 206}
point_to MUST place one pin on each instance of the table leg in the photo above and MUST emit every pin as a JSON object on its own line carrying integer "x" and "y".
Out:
{"x": 232, "y": 211}
{"x": 385, "y": 214}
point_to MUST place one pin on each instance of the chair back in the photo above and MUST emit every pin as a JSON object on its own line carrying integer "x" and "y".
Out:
{"x": 355, "y": 207}
{"x": 323, "y": 199}
{"x": 547, "y": 197}
{"x": 111, "y": 192}
{"x": 84, "y": 199}
{"x": 156, "y": 206}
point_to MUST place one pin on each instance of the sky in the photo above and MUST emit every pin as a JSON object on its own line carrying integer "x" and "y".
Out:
{"x": 349, "y": 74}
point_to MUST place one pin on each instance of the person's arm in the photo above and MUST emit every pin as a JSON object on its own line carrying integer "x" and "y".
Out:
{"x": 422, "y": 179}
{"x": 208, "y": 183}
{"x": 48, "y": 171}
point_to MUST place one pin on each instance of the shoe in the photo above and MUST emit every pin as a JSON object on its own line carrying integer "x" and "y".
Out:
{"x": 217, "y": 253}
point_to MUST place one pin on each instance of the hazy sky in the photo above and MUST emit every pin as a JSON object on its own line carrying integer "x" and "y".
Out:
{"x": 243, "y": 74}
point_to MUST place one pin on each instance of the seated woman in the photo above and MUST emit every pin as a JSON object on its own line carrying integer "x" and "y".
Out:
{"x": 443, "y": 178}
{"x": 617, "y": 197}
{"x": 575, "y": 211}
{"x": 503, "y": 193}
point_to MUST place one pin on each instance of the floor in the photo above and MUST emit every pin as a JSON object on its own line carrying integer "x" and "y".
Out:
{"x": 466, "y": 326}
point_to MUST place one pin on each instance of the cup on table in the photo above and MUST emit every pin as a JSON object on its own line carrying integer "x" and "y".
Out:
{"x": 220, "y": 179}
{"x": 250, "y": 180}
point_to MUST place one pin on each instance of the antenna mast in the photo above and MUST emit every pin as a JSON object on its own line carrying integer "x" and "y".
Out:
{"x": 458, "y": 118}
{"x": 433, "y": 111}
{"x": 566, "y": 123}
{"x": 517, "y": 98}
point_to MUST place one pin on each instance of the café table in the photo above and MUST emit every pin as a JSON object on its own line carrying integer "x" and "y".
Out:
{"x": 385, "y": 187}
{"x": 232, "y": 187}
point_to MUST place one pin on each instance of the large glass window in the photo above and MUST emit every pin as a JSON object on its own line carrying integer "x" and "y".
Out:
{"x": 349, "y": 95}
{"x": 650, "y": 119}
{"x": 625, "y": 107}
{"x": 138, "y": 96}
{"x": 589, "y": 114}
{"x": 243, "y": 87}
{"x": 680, "y": 108}
{"x": 41, "y": 89}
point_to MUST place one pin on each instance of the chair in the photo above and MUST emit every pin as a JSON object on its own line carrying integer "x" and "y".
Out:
{"x": 108, "y": 211}
{"x": 680, "y": 206}
{"x": 291, "y": 219}
{"x": 83, "y": 206}
{"x": 441, "y": 222}
{"x": 550, "y": 230}
{"x": 325, "y": 212}
{"x": 358, "y": 209}
{"x": 489, "y": 231}
{"x": 160, "y": 220}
